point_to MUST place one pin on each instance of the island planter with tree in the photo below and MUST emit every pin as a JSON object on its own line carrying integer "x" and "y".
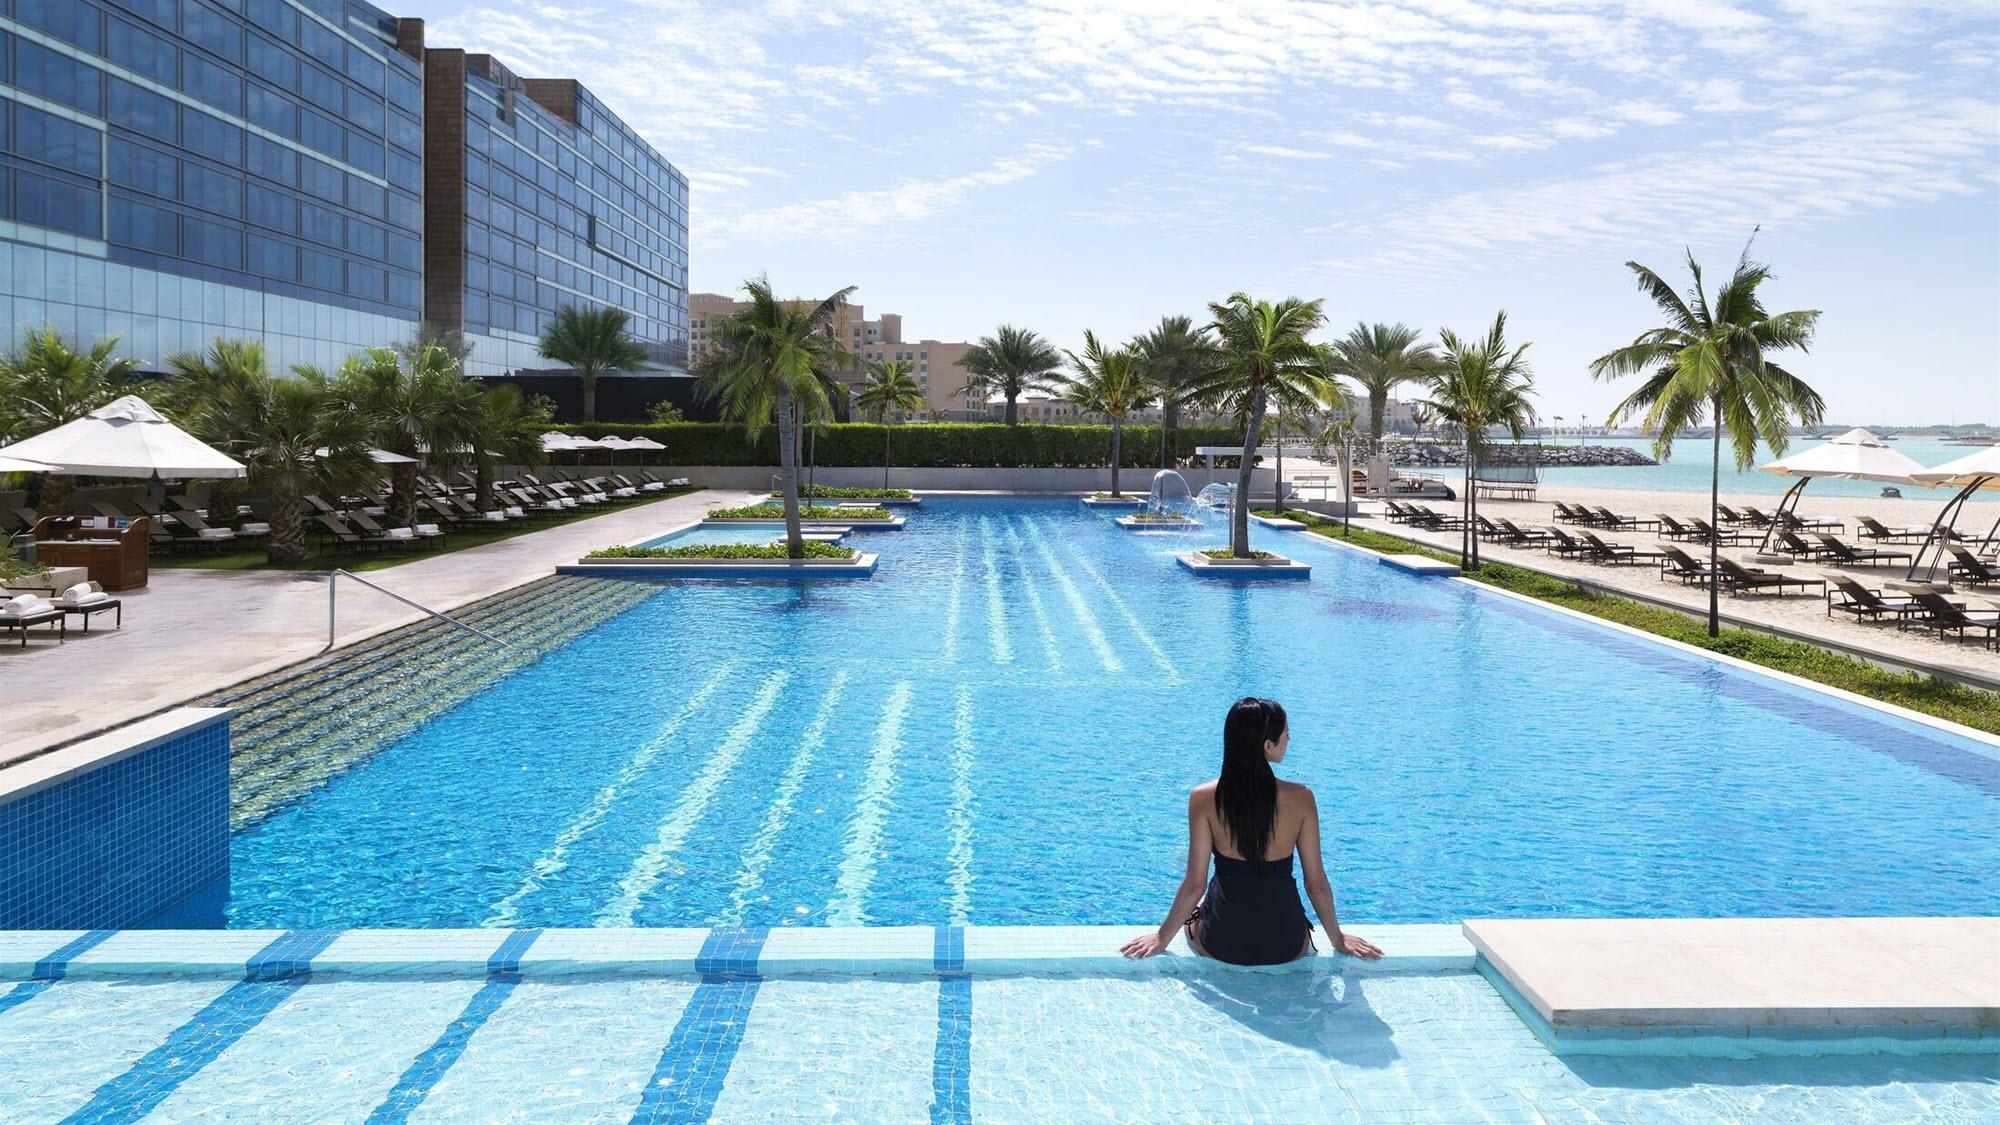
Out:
{"x": 817, "y": 516}
{"x": 1158, "y": 521}
{"x": 726, "y": 560}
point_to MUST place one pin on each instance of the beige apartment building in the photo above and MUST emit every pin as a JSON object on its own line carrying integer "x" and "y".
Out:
{"x": 934, "y": 363}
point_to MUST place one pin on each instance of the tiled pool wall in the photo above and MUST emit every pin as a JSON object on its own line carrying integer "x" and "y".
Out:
{"x": 118, "y": 830}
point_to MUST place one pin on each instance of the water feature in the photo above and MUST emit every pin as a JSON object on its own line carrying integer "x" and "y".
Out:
{"x": 1169, "y": 495}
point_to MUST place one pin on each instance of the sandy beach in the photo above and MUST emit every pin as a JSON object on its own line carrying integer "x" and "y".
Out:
{"x": 1805, "y": 614}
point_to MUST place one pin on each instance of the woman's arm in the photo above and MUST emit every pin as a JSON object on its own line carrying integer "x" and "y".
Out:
{"x": 1193, "y": 880}
{"x": 1321, "y": 892}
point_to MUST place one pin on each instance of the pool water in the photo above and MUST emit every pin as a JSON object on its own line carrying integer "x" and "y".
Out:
{"x": 1001, "y": 726}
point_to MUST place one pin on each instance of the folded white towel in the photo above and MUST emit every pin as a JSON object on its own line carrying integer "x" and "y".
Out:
{"x": 77, "y": 591}
{"x": 429, "y": 529}
{"x": 654, "y": 486}
{"x": 375, "y": 511}
{"x": 90, "y": 598}
{"x": 515, "y": 513}
{"x": 626, "y": 492}
{"x": 401, "y": 533}
{"x": 254, "y": 528}
{"x": 21, "y": 605}
{"x": 216, "y": 533}
{"x": 495, "y": 517}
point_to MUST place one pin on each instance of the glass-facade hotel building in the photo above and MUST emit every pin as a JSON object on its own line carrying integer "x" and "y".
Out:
{"x": 177, "y": 170}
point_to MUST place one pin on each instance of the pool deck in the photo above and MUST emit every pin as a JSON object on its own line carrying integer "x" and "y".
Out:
{"x": 192, "y": 632}
{"x": 1750, "y": 972}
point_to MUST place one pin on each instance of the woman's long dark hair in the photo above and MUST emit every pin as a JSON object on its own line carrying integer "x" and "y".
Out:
{"x": 1246, "y": 795}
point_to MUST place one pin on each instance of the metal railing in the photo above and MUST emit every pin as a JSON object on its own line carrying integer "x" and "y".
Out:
{"x": 332, "y": 586}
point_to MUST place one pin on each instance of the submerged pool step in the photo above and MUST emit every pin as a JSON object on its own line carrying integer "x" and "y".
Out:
{"x": 292, "y": 744}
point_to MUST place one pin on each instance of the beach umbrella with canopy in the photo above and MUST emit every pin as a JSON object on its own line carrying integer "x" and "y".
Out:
{"x": 1969, "y": 474}
{"x": 125, "y": 438}
{"x": 643, "y": 445}
{"x": 23, "y": 465}
{"x": 1854, "y": 455}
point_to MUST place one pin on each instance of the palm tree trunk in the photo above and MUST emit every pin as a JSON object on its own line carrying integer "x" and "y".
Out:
{"x": 1280, "y": 490}
{"x": 1011, "y": 395}
{"x": 1116, "y": 425}
{"x": 1472, "y": 500}
{"x": 288, "y": 529}
{"x": 589, "y": 395}
{"x": 402, "y": 495}
{"x": 1239, "y": 512}
{"x": 788, "y": 473}
{"x": 1715, "y": 541}
{"x": 1378, "y": 409}
{"x": 482, "y": 483}
{"x": 58, "y": 494}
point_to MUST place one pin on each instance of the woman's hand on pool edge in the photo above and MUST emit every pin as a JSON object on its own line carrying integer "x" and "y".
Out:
{"x": 1144, "y": 946}
{"x": 1356, "y": 946}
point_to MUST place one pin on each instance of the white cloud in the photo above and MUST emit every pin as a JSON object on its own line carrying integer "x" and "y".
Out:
{"x": 1283, "y": 152}
{"x": 864, "y": 212}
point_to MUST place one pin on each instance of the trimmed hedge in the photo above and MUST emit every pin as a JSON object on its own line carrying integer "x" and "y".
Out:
{"x": 834, "y": 492}
{"x": 922, "y": 445}
{"x": 813, "y": 550}
{"x": 806, "y": 512}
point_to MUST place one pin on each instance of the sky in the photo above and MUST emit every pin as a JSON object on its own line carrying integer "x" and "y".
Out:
{"x": 1073, "y": 164}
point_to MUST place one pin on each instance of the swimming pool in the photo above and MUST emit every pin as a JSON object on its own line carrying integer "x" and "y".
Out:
{"x": 999, "y": 728}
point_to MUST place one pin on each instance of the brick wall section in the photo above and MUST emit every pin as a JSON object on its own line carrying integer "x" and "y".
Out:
{"x": 116, "y": 844}
{"x": 557, "y": 95}
{"x": 444, "y": 187}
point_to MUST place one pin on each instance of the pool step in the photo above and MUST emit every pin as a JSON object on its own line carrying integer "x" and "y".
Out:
{"x": 295, "y": 732}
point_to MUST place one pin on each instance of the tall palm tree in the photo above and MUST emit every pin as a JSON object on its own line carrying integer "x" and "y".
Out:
{"x": 1171, "y": 355}
{"x": 45, "y": 383}
{"x": 590, "y": 341}
{"x": 888, "y": 385}
{"x": 1262, "y": 355}
{"x": 1709, "y": 361}
{"x": 295, "y": 436}
{"x": 1111, "y": 382}
{"x": 1380, "y": 357}
{"x": 418, "y": 408}
{"x": 1011, "y": 362}
{"x": 768, "y": 360}
{"x": 505, "y": 430}
{"x": 200, "y": 393}
{"x": 1474, "y": 386}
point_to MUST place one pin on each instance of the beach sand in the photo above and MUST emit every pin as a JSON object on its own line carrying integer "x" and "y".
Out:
{"x": 1803, "y": 614}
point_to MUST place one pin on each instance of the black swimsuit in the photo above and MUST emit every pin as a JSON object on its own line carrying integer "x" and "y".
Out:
{"x": 1252, "y": 914}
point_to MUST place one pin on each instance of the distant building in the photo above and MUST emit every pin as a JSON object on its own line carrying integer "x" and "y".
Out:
{"x": 934, "y": 363}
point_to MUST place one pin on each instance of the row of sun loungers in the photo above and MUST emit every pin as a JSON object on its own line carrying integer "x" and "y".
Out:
{"x": 22, "y": 612}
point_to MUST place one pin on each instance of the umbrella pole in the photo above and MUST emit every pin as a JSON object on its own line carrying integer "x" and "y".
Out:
{"x": 1940, "y": 526}
{"x": 1785, "y": 508}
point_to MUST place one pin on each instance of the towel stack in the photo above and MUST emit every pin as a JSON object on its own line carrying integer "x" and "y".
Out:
{"x": 21, "y": 605}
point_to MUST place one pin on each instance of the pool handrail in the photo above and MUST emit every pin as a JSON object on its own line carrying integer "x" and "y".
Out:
{"x": 332, "y": 583}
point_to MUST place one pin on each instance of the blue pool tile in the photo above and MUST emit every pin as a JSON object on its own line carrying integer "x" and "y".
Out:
{"x": 951, "y": 1058}
{"x": 696, "y": 1062}
{"x": 503, "y": 973}
{"x": 269, "y": 980}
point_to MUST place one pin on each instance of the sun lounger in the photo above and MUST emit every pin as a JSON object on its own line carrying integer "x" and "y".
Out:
{"x": 345, "y": 535}
{"x": 1755, "y": 517}
{"x": 1675, "y": 529}
{"x": 1564, "y": 545}
{"x": 1868, "y": 527}
{"x": 1523, "y": 536}
{"x": 1677, "y": 564}
{"x": 1574, "y": 513}
{"x": 25, "y": 611}
{"x": 1791, "y": 520}
{"x": 1727, "y": 514}
{"x": 1848, "y": 596}
{"x": 1934, "y": 611}
{"x": 1616, "y": 554}
{"x": 1723, "y": 538}
{"x": 1790, "y": 543}
{"x": 1847, "y": 554}
{"x": 1738, "y": 579}
{"x": 1969, "y": 568}
{"x": 1612, "y": 520}
{"x": 87, "y": 599}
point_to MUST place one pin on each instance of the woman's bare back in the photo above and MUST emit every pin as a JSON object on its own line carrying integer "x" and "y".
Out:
{"x": 1295, "y": 807}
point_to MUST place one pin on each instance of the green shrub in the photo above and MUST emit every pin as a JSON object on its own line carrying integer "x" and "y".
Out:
{"x": 813, "y": 550}
{"x": 1160, "y": 517}
{"x": 836, "y": 492}
{"x": 922, "y": 445}
{"x": 1226, "y": 553}
{"x": 808, "y": 512}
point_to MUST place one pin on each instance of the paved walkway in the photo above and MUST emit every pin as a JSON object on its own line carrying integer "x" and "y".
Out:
{"x": 191, "y": 632}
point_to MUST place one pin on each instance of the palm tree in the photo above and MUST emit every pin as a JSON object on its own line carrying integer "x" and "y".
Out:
{"x": 505, "y": 430}
{"x": 1380, "y": 357}
{"x": 1708, "y": 361}
{"x": 1475, "y": 385}
{"x": 433, "y": 335}
{"x": 45, "y": 384}
{"x": 888, "y": 385}
{"x": 590, "y": 341}
{"x": 1262, "y": 355}
{"x": 1313, "y": 417}
{"x": 1111, "y": 382}
{"x": 1011, "y": 363}
{"x": 768, "y": 361}
{"x": 415, "y": 408}
{"x": 295, "y": 436}
{"x": 1171, "y": 355}
{"x": 201, "y": 392}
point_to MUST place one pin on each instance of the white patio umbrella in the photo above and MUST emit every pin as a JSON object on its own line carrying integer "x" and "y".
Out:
{"x": 126, "y": 438}
{"x": 1854, "y": 455}
{"x": 1968, "y": 474}
{"x": 23, "y": 465}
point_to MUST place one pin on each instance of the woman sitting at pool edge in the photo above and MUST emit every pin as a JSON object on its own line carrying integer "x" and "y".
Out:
{"x": 1252, "y": 823}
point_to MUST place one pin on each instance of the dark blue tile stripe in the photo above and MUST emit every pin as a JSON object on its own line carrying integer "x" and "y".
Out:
{"x": 951, "y": 1057}
{"x": 270, "y": 978}
{"x": 503, "y": 972}
{"x": 56, "y": 964}
{"x": 688, "y": 1079}
{"x": 22, "y": 993}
